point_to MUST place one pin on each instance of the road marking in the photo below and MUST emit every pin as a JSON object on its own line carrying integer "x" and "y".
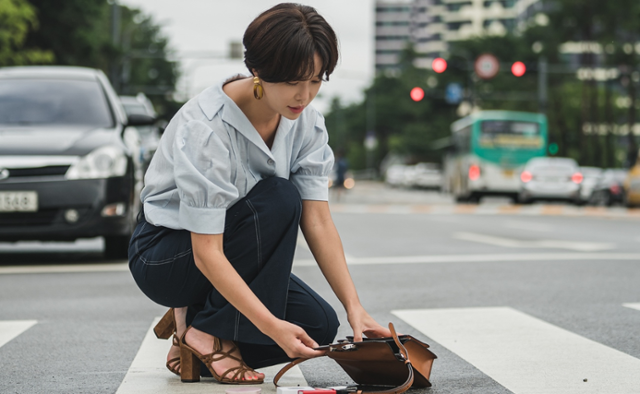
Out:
{"x": 632, "y": 305}
{"x": 148, "y": 374}
{"x": 425, "y": 259}
{"x": 525, "y": 354}
{"x": 480, "y": 258}
{"x": 64, "y": 268}
{"x": 541, "y": 244}
{"x": 487, "y": 209}
{"x": 10, "y": 329}
{"x": 302, "y": 242}
{"x": 529, "y": 226}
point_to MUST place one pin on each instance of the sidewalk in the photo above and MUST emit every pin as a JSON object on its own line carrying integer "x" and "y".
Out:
{"x": 376, "y": 197}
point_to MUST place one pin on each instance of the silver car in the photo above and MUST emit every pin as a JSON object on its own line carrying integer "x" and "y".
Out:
{"x": 592, "y": 176}
{"x": 550, "y": 178}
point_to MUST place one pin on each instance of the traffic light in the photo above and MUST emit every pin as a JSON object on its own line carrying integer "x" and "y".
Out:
{"x": 417, "y": 94}
{"x": 518, "y": 69}
{"x": 439, "y": 65}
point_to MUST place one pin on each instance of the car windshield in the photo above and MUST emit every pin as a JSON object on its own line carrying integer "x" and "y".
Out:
{"x": 513, "y": 134}
{"x": 26, "y": 102}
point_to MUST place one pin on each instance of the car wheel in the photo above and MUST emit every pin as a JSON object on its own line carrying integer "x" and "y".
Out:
{"x": 116, "y": 247}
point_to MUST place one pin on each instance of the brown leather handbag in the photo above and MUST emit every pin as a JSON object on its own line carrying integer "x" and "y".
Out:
{"x": 384, "y": 365}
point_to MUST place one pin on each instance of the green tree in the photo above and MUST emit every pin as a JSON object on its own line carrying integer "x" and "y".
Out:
{"x": 17, "y": 18}
{"x": 143, "y": 61}
{"x": 401, "y": 125}
{"x": 78, "y": 33}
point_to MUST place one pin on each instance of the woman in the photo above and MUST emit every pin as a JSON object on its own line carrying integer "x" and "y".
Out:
{"x": 237, "y": 170}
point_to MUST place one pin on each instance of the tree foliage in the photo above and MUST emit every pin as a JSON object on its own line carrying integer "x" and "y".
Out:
{"x": 574, "y": 106}
{"x": 17, "y": 18}
{"x": 78, "y": 33}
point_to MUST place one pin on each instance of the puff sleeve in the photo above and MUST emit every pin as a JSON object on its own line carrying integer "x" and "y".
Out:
{"x": 310, "y": 170}
{"x": 203, "y": 178}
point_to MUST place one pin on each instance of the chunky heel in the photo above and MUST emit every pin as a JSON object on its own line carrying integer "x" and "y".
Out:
{"x": 189, "y": 366}
{"x": 166, "y": 326}
{"x": 190, "y": 362}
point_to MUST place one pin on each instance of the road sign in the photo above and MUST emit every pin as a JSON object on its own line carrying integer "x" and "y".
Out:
{"x": 453, "y": 93}
{"x": 487, "y": 66}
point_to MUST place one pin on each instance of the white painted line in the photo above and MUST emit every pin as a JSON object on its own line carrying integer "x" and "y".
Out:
{"x": 527, "y": 355}
{"x": 10, "y": 329}
{"x": 481, "y": 258}
{"x": 64, "y": 268}
{"x": 542, "y": 244}
{"x": 528, "y": 226}
{"x": 302, "y": 242}
{"x": 148, "y": 374}
{"x": 426, "y": 259}
{"x": 632, "y": 305}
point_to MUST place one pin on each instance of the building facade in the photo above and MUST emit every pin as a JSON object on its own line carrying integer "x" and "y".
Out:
{"x": 429, "y": 25}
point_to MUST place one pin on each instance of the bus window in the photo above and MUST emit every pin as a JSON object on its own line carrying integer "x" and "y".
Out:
{"x": 510, "y": 134}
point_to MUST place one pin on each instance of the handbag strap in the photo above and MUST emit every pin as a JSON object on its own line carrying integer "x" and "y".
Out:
{"x": 396, "y": 390}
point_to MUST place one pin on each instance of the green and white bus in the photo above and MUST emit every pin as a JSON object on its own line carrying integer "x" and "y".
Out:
{"x": 488, "y": 152}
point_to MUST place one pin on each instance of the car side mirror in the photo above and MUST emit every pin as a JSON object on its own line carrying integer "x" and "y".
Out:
{"x": 140, "y": 120}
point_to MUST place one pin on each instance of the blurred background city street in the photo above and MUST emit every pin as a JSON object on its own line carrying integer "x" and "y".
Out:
{"x": 486, "y": 185}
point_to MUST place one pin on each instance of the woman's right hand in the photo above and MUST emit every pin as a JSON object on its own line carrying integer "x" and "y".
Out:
{"x": 294, "y": 341}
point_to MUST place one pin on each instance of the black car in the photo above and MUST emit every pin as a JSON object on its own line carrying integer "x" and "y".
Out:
{"x": 69, "y": 165}
{"x": 609, "y": 190}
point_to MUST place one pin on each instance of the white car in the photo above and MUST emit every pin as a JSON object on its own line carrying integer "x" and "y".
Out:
{"x": 550, "y": 178}
{"x": 427, "y": 176}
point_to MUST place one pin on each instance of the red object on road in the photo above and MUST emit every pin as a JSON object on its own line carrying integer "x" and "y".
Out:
{"x": 417, "y": 94}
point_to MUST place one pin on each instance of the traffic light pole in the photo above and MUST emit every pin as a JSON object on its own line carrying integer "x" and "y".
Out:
{"x": 542, "y": 84}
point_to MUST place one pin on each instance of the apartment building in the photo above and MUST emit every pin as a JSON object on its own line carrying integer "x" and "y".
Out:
{"x": 431, "y": 24}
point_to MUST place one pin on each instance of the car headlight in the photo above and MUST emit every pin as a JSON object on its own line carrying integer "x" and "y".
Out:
{"x": 104, "y": 162}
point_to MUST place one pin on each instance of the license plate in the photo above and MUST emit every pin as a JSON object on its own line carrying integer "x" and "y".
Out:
{"x": 18, "y": 201}
{"x": 507, "y": 173}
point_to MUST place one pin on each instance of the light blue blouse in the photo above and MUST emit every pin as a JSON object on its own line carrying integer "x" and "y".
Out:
{"x": 210, "y": 156}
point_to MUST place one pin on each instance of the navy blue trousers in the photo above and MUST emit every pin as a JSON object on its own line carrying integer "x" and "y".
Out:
{"x": 260, "y": 236}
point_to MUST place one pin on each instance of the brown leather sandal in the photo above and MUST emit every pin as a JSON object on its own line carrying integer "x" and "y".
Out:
{"x": 190, "y": 371}
{"x": 163, "y": 330}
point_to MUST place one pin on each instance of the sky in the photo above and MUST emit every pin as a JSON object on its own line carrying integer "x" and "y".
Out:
{"x": 210, "y": 25}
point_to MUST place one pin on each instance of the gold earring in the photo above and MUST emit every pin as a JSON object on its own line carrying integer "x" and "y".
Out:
{"x": 258, "y": 90}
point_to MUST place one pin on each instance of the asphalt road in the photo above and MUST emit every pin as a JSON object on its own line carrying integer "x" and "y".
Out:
{"x": 508, "y": 303}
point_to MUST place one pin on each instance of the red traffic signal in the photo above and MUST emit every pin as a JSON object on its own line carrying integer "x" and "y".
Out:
{"x": 439, "y": 65}
{"x": 417, "y": 94}
{"x": 518, "y": 69}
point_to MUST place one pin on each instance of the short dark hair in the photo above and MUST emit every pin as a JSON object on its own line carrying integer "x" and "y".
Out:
{"x": 280, "y": 44}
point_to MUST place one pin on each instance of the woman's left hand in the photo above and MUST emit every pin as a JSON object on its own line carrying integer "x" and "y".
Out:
{"x": 363, "y": 323}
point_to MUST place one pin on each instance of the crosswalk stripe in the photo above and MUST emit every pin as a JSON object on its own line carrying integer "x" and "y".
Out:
{"x": 64, "y": 268}
{"x": 10, "y": 329}
{"x": 148, "y": 374}
{"x": 632, "y": 305}
{"x": 527, "y": 355}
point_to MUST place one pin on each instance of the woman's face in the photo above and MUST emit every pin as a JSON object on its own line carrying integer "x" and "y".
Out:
{"x": 290, "y": 98}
